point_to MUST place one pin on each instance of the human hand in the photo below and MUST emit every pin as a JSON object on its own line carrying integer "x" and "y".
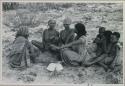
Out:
{"x": 54, "y": 47}
{"x": 52, "y": 37}
{"x": 62, "y": 47}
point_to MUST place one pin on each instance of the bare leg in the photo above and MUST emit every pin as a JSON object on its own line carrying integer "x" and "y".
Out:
{"x": 38, "y": 44}
{"x": 103, "y": 65}
{"x": 96, "y": 59}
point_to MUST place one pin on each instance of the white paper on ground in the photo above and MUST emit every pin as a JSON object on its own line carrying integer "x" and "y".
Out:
{"x": 55, "y": 66}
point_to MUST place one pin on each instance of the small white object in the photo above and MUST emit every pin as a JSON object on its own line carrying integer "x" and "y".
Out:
{"x": 59, "y": 67}
{"x": 55, "y": 66}
{"x": 51, "y": 67}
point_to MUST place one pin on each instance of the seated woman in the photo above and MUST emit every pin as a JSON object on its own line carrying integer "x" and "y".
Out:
{"x": 50, "y": 38}
{"x": 77, "y": 55}
{"x": 21, "y": 50}
{"x": 66, "y": 35}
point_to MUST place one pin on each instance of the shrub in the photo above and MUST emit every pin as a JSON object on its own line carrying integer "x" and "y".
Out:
{"x": 9, "y": 6}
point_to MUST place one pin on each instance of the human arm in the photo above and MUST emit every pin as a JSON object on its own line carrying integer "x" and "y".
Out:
{"x": 96, "y": 60}
{"x": 54, "y": 47}
{"x": 43, "y": 39}
{"x": 60, "y": 38}
{"x": 97, "y": 39}
{"x": 31, "y": 48}
{"x": 76, "y": 42}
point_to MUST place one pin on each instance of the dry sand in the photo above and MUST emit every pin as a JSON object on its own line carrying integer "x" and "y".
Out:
{"x": 109, "y": 16}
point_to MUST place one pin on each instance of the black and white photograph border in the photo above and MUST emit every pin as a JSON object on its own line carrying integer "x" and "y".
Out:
{"x": 33, "y": 18}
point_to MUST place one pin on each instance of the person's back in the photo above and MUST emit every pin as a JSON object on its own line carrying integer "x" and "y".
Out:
{"x": 19, "y": 50}
{"x": 18, "y": 45}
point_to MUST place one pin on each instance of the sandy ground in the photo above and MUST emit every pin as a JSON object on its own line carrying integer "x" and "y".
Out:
{"x": 110, "y": 17}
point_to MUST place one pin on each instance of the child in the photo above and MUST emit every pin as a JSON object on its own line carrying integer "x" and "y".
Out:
{"x": 98, "y": 40}
{"x": 100, "y": 35}
{"x": 96, "y": 48}
{"x": 21, "y": 49}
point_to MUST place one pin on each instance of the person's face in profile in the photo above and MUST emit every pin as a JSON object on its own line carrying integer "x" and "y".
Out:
{"x": 52, "y": 24}
{"x": 114, "y": 39}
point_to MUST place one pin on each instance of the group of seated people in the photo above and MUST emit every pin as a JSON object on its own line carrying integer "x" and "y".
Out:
{"x": 70, "y": 46}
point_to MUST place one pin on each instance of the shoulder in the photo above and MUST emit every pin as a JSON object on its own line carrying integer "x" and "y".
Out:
{"x": 20, "y": 39}
{"x": 83, "y": 38}
{"x": 45, "y": 30}
{"x": 18, "y": 44}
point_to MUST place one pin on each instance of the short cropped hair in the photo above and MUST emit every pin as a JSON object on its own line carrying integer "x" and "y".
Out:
{"x": 117, "y": 34}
